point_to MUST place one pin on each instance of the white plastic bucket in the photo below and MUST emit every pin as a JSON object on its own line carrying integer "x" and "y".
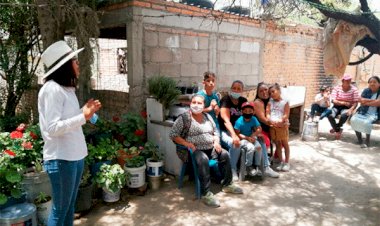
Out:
{"x": 310, "y": 131}
{"x": 43, "y": 212}
{"x": 154, "y": 169}
{"x": 137, "y": 176}
{"x": 109, "y": 196}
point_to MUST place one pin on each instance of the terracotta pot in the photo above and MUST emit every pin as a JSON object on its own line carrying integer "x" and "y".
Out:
{"x": 121, "y": 156}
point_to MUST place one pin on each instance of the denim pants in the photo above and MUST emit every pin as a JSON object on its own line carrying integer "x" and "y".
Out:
{"x": 226, "y": 142}
{"x": 65, "y": 177}
{"x": 251, "y": 149}
{"x": 338, "y": 110}
{"x": 224, "y": 166}
{"x": 316, "y": 108}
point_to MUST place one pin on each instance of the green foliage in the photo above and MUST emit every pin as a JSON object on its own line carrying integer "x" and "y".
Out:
{"x": 105, "y": 150}
{"x": 10, "y": 178}
{"x": 152, "y": 151}
{"x": 42, "y": 198}
{"x": 111, "y": 177}
{"x": 132, "y": 126}
{"x": 86, "y": 176}
{"x": 164, "y": 89}
{"x": 135, "y": 162}
{"x": 19, "y": 50}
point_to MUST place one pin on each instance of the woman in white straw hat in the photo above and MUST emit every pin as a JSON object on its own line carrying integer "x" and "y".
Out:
{"x": 61, "y": 120}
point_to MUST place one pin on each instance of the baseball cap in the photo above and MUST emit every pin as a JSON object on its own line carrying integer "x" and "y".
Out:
{"x": 247, "y": 104}
{"x": 346, "y": 77}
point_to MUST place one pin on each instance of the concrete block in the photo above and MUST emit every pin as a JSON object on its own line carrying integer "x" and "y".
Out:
{"x": 189, "y": 42}
{"x": 182, "y": 55}
{"x": 226, "y": 57}
{"x": 203, "y": 43}
{"x": 232, "y": 69}
{"x": 220, "y": 70}
{"x": 159, "y": 55}
{"x": 189, "y": 70}
{"x": 233, "y": 45}
{"x": 170, "y": 69}
{"x": 245, "y": 69}
{"x": 222, "y": 44}
{"x": 168, "y": 40}
{"x": 251, "y": 80}
{"x": 202, "y": 68}
{"x": 199, "y": 56}
{"x": 151, "y": 38}
{"x": 249, "y": 47}
{"x": 151, "y": 69}
{"x": 241, "y": 58}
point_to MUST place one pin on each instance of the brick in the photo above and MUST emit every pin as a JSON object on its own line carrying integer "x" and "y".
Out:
{"x": 232, "y": 70}
{"x": 241, "y": 58}
{"x": 158, "y": 7}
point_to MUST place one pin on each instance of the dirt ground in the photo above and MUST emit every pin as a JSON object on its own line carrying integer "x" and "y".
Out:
{"x": 330, "y": 183}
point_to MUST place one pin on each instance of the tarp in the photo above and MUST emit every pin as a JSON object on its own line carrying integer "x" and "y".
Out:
{"x": 340, "y": 37}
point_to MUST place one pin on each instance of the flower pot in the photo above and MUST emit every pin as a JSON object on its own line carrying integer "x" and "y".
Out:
{"x": 154, "y": 169}
{"x": 13, "y": 201}
{"x": 154, "y": 182}
{"x": 109, "y": 196}
{"x": 84, "y": 198}
{"x": 95, "y": 167}
{"x": 137, "y": 178}
{"x": 43, "y": 212}
{"x": 35, "y": 182}
{"x": 19, "y": 214}
{"x": 121, "y": 156}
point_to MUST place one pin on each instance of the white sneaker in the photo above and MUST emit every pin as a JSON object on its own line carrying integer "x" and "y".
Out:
{"x": 286, "y": 167}
{"x": 279, "y": 168}
{"x": 253, "y": 172}
{"x": 234, "y": 176}
{"x": 271, "y": 173}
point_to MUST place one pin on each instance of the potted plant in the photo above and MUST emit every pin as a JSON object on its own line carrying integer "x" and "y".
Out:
{"x": 132, "y": 127}
{"x": 135, "y": 166}
{"x": 111, "y": 178}
{"x": 84, "y": 196}
{"x": 102, "y": 153}
{"x": 43, "y": 203}
{"x": 11, "y": 191}
{"x": 25, "y": 143}
{"x": 164, "y": 90}
{"x": 155, "y": 163}
{"x": 127, "y": 153}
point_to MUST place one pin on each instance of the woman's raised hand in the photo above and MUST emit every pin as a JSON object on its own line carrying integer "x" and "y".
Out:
{"x": 90, "y": 108}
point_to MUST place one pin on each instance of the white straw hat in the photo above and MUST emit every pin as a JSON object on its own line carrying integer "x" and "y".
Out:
{"x": 56, "y": 55}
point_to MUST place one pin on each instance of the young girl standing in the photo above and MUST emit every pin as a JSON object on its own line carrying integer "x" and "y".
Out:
{"x": 277, "y": 112}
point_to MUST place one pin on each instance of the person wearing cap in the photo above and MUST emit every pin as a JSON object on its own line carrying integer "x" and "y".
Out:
{"x": 61, "y": 120}
{"x": 345, "y": 99}
{"x": 321, "y": 103}
{"x": 248, "y": 129}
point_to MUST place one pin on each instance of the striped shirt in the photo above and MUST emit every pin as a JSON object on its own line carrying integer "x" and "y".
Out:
{"x": 352, "y": 95}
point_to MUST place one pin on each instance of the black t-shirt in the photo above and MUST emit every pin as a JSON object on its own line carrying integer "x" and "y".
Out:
{"x": 235, "y": 110}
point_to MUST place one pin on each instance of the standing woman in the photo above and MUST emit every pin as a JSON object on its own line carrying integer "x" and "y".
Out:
{"x": 368, "y": 112}
{"x": 61, "y": 121}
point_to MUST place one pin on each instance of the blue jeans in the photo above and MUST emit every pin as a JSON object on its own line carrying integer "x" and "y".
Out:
{"x": 65, "y": 178}
{"x": 226, "y": 141}
{"x": 252, "y": 149}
